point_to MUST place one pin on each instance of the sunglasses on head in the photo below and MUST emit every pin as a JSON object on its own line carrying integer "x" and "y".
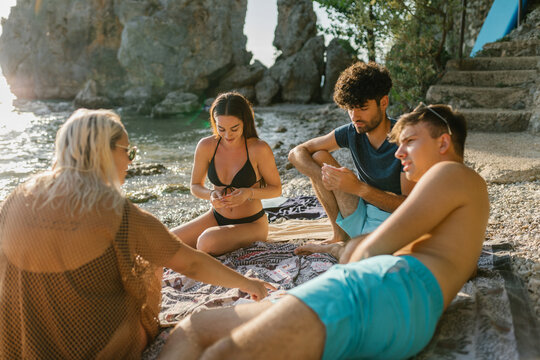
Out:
{"x": 422, "y": 105}
{"x": 130, "y": 150}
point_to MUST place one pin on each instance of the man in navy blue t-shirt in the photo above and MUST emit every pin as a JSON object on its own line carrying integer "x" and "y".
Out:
{"x": 355, "y": 204}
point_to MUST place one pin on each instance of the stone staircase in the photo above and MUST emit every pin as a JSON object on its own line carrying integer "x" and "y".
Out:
{"x": 496, "y": 90}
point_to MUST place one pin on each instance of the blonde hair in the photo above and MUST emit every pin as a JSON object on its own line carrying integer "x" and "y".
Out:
{"x": 84, "y": 173}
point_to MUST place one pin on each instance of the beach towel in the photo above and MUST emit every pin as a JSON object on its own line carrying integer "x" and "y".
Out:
{"x": 490, "y": 318}
{"x": 302, "y": 207}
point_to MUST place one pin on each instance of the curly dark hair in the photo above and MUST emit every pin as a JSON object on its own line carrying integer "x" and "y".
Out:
{"x": 361, "y": 82}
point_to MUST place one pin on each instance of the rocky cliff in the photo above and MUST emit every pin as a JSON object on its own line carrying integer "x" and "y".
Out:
{"x": 156, "y": 56}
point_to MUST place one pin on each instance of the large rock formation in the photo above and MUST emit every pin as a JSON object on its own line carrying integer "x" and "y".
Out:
{"x": 182, "y": 44}
{"x": 296, "y": 75}
{"x": 50, "y": 51}
{"x": 147, "y": 54}
{"x": 337, "y": 60}
{"x": 126, "y": 51}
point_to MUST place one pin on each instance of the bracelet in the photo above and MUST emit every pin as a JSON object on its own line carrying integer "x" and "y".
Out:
{"x": 211, "y": 194}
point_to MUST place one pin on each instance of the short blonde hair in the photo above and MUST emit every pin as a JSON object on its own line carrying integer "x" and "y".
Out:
{"x": 83, "y": 171}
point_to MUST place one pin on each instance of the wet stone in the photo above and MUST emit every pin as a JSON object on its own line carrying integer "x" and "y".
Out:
{"x": 145, "y": 170}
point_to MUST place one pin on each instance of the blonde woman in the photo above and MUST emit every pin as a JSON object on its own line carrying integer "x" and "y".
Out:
{"x": 80, "y": 265}
{"x": 242, "y": 170}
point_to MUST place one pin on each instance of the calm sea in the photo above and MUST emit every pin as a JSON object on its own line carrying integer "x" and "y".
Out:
{"x": 27, "y": 134}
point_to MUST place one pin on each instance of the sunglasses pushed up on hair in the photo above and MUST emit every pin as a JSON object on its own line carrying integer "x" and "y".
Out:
{"x": 422, "y": 105}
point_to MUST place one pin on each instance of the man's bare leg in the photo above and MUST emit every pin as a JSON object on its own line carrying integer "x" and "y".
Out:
{"x": 200, "y": 330}
{"x": 341, "y": 251}
{"x": 290, "y": 331}
{"x": 333, "y": 202}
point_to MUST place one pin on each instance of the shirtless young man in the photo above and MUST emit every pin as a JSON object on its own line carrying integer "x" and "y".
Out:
{"x": 356, "y": 204}
{"x": 386, "y": 301}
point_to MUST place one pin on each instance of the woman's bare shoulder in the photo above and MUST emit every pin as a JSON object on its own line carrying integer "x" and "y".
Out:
{"x": 258, "y": 145}
{"x": 208, "y": 142}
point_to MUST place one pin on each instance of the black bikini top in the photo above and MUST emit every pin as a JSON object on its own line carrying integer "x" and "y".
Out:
{"x": 244, "y": 178}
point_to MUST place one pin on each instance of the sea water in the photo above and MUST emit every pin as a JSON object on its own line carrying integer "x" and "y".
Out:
{"x": 28, "y": 130}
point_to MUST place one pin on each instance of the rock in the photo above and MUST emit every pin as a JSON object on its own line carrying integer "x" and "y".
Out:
{"x": 122, "y": 44}
{"x": 139, "y": 99}
{"x": 248, "y": 92}
{"x": 208, "y": 102}
{"x": 88, "y": 97}
{"x": 337, "y": 60}
{"x": 129, "y": 9}
{"x": 176, "y": 102}
{"x": 297, "y": 23}
{"x": 50, "y": 51}
{"x": 141, "y": 197}
{"x": 266, "y": 90}
{"x": 242, "y": 76}
{"x": 172, "y": 188}
{"x": 195, "y": 56}
{"x": 144, "y": 170}
{"x": 299, "y": 75}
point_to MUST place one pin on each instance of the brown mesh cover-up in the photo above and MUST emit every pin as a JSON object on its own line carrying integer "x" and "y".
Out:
{"x": 79, "y": 287}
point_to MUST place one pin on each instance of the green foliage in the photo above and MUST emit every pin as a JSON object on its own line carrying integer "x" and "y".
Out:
{"x": 415, "y": 31}
{"x": 364, "y": 22}
{"x": 418, "y": 54}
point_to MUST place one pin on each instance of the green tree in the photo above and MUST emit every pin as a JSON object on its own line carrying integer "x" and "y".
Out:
{"x": 410, "y": 36}
{"x": 418, "y": 53}
{"x": 364, "y": 22}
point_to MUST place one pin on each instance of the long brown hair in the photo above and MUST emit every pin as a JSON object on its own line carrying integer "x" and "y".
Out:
{"x": 234, "y": 104}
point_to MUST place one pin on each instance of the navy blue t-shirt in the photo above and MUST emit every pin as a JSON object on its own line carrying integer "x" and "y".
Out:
{"x": 376, "y": 167}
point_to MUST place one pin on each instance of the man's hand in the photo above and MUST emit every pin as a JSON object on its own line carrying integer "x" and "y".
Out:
{"x": 341, "y": 179}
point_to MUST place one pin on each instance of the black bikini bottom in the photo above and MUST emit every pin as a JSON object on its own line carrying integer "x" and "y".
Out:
{"x": 222, "y": 220}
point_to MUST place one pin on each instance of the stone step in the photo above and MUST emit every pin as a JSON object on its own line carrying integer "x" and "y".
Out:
{"x": 495, "y": 63}
{"x": 530, "y": 47}
{"x": 514, "y": 98}
{"x": 496, "y": 120}
{"x": 498, "y": 78}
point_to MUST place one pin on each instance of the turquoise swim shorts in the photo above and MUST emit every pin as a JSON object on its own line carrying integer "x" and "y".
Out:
{"x": 385, "y": 307}
{"x": 363, "y": 220}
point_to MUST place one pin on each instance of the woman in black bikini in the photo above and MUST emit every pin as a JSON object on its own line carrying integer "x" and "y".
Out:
{"x": 242, "y": 169}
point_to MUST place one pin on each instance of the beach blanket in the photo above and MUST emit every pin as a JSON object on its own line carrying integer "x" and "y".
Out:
{"x": 302, "y": 207}
{"x": 490, "y": 318}
{"x": 275, "y": 263}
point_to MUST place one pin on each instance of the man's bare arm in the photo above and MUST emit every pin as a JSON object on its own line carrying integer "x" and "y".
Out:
{"x": 345, "y": 180}
{"x": 446, "y": 187}
{"x": 301, "y": 155}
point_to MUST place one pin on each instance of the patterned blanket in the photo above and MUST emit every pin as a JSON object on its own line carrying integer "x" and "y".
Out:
{"x": 490, "y": 318}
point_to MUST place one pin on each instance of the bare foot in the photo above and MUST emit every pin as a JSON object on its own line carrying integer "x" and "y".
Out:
{"x": 340, "y": 236}
{"x": 331, "y": 241}
{"x": 310, "y": 248}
